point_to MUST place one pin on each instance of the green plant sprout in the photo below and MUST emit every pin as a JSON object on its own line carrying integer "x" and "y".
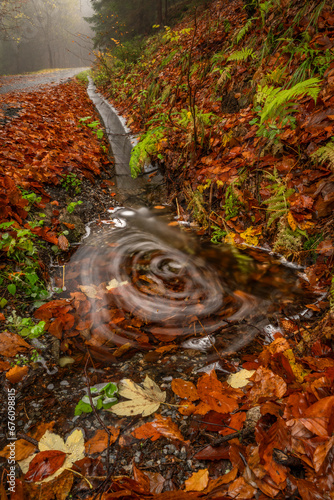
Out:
{"x": 95, "y": 126}
{"x": 72, "y": 183}
{"x": 103, "y": 396}
{"x": 25, "y": 326}
{"x": 71, "y": 206}
{"x": 21, "y": 360}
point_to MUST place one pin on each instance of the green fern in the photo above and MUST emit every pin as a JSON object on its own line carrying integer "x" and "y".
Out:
{"x": 325, "y": 153}
{"x": 275, "y": 76}
{"x": 242, "y": 55}
{"x": 277, "y": 204}
{"x": 242, "y": 32}
{"x": 277, "y": 101}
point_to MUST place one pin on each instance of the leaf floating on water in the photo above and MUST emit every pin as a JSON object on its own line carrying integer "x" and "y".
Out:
{"x": 115, "y": 284}
{"x": 141, "y": 400}
{"x": 89, "y": 291}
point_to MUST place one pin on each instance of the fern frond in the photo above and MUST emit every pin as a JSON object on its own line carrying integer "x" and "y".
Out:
{"x": 265, "y": 94}
{"x": 275, "y": 76}
{"x": 277, "y": 204}
{"x": 242, "y": 32}
{"x": 325, "y": 153}
{"x": 241, "y": 55}
{"x": 278, "y": 99}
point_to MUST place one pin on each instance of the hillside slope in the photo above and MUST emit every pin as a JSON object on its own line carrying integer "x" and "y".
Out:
{"x": 236, "y": 105}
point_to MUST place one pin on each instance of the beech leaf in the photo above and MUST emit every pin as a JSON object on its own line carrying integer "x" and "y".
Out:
{"x": 141, "y": 400}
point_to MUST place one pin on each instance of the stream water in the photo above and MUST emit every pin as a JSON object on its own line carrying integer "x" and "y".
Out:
{"x": 149, "y": 283}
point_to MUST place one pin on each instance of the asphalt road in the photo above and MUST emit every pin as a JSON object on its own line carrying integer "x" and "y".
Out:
{"x": 28, "y": 82}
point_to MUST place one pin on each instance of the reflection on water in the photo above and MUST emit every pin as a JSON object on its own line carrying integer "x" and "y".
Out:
{"x": 149, "y": 283}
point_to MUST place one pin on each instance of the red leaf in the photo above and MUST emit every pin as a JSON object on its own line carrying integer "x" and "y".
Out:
{"x": 44, "y": 464}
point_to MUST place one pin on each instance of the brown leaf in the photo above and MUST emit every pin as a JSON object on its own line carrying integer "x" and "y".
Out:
{"x": 141, "y": 478}
{"x": 44, "y": 464}
{"x": 146, "y": 431}
{"x": 63, "y": 243}
{"x": 99, "y": 441}
{"x": 266, "y": 385}
{"x": 241, "y": 490}
{"x": 59, "y": 488}
{"x": 210, "y": 390}
{"x": 12, "y": 344}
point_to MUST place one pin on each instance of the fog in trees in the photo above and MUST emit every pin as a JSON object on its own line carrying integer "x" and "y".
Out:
{"x": 39, "y": 34}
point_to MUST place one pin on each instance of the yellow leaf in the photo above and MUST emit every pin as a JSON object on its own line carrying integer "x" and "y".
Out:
{"x": 229, "y": 238}
{"x": 144, "y": 400}
{"x": 250, "y": 236}
{"x": 240, "y": 379}
{"x": 307, "y": 224}
{"x": 292, "y": 222}
{"x": 298, "y": 370}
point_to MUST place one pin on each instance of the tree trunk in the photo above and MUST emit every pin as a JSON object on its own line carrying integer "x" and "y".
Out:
{"x": 166, "y": 10}
{"x": 159, "y": 12}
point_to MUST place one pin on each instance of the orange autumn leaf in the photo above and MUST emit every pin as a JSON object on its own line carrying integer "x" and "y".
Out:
{"x": 198, "y": 481}
{"x": 225, "y": 479}
{"x": 99, "y": 441}
{"x": 167, "y": 428}
{"x": 186, "y": 408}
{"x": 210, "y": 390}
{"x": 17, "y": 373}
{"x": 266, "y": 385}
{"x": 146, "y": 431}
{"x": 12, "y": 344}
{"x": 184, "y": 389}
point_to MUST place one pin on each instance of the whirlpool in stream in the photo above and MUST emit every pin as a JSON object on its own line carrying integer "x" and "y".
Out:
{"x": 149, "y": 283}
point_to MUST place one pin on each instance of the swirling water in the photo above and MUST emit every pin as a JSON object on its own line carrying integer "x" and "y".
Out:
{"x": 153, "y": 283}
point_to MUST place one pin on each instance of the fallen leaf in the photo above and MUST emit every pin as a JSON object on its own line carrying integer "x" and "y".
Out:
{"x": 44, "y": 464}
{"x": 99, "y": 441}
{"x": 115, "y": 284}
{"x": 17, "y": 373}
{"x": 73, "y": 447}
{"x": 167, "y": 428}
{"x": 63, "y": 242}
{"x": 198, "y": 481}
{"x": 240, "y": 379}
{"x": 12, "y": 344}
{"x": 184, "y": 389}
{"x": 266, "y": 385}
{"x": 142, "y": 400}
